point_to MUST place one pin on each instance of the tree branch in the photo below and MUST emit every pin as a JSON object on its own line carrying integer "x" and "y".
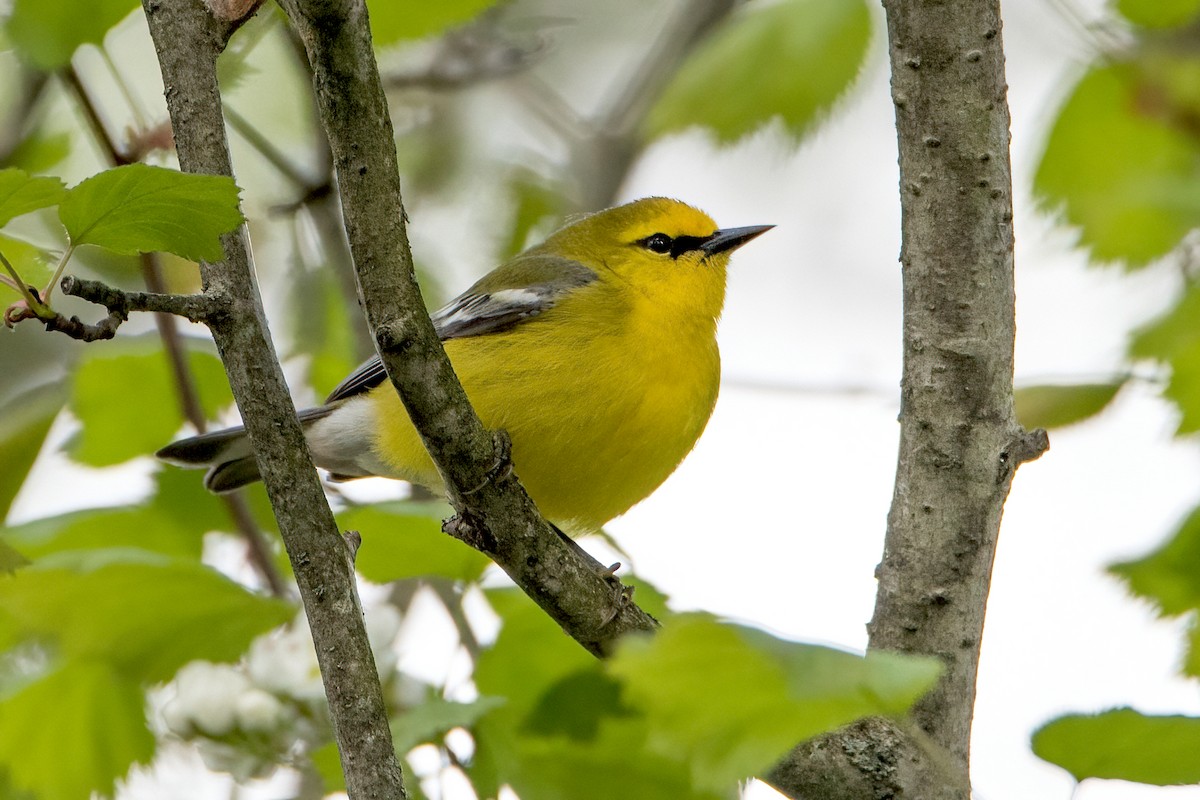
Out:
{"x": 324, "y": 573}
{"x": 959, "y": 441}
{"x": 494, "y": 513}
{"x": 235, "y": 504}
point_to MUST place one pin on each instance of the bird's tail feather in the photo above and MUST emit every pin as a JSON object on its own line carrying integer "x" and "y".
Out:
{"x": 227, "y": 454}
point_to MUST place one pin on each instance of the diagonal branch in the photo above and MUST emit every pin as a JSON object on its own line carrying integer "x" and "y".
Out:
{"x": 494, "y": 513}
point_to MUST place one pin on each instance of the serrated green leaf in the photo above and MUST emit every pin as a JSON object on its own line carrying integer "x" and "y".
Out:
{"x": 791, "y": 59}
{"x": 144, "y": 614}
{"x": 400, "y": 543}
{"x": 1121, "y": 166}
{"x": 1123, "y": 744}
{"x": 47, "y": 32}
{"x": 24, "y": 422}
{"x": 1050, "y": 406}
{"x": 124, "y": 394}
{"x": 21, "y": 193}
{"x": 1168, "y": 577}
{"x": 141, "y": 209}
{"x": 1174, "y": 338}
{"x": 1158, "y": 13}
{"x": 86, "y": 709}
{"x": 392, "y": 22}
{"x": 761, "y": 694}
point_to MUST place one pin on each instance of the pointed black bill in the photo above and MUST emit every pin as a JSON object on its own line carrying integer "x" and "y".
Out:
{"x": 732, "y": 238}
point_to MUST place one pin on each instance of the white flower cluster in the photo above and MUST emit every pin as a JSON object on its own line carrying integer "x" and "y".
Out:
{"x": 247, "y": 718}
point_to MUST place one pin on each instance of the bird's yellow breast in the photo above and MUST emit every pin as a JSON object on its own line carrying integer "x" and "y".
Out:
{"x": 598, "y": 419}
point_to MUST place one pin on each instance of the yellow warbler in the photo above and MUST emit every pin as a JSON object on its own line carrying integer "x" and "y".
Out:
{"x": 595, "y": 350}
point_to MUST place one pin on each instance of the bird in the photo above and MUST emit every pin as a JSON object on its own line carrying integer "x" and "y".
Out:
{"x": 595, "y": 351}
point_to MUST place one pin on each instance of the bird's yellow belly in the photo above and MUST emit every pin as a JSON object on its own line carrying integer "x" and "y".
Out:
{"x": 582, "y": 461}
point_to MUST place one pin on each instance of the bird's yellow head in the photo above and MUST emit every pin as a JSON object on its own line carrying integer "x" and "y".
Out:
{"x": 662, "y": 250}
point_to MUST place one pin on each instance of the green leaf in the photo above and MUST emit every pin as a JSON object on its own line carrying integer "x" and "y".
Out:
{"x": 32, "y": 263}
{"x": 1158, "y": 13}
{"x": 86, "y": 710}
{"x": 40, "y": 151}
{"x": 21, "y": 193}
{"x": 1120, "y": 162}
{"x": 47, "y": 32}
{"x": 1051, "y": 406}
{"x": 392, "y": 21}
{"x": 398, "y": 543}
{"x": 791, "y": 59}
{"x": 138, "y": 527}
{"x": 431, "y": 720}
{"x": 1123, "y": 744}
{"x": 761, "y": 694}
{"x": 140, "y": 209}
{"x": 24, "y": 422}
{"x": 1174, "y": 338}
{"x": 10, "y": 562}
{"x": 145, "y": 615}
{"x": 125, "y": 396}
{"x": 1168, "y": 576}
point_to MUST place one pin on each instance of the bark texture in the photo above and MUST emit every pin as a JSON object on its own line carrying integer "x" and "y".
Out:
{"x": 188, "y": 40}
{"x": 959, "y": 441}
{"x": 495, "y": 515}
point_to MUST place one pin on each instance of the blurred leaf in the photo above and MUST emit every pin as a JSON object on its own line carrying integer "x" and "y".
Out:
{"x": 431, "y": 720}
{"x": 651, "y": 599}
{"x": 139, "y": 208}
{"x": 1174, "y": 338}
{"x": 1158, "y": 13}
{"x": 1168, "y": 577}
{"x": 125, "y": 396}
{"x": 40, "y": 152}
{"x": 21, "y": 193}
{"x": 10, "y": 562}
{"x": 74, "y": 732}
{"x": 24, "y": 422}
{"x": 427, "y": 722}
{"x": 47, "y": 32}
{"x": 1120, "y": 167}
{"x": 145, "y": 615}
{"x": 790, "y": 59}
{"x": 320, "y": 327}
{"x": 393, "y": 21}
{"x": 32, "y": 263}
{"x": 577, "y": 705}
{"x": 398, "y": 543}
{"x": 761, "y": 694}
{"x": 139, "y": 527}
{"x": 535, "y": 205}
{"x": 1123, "y": 744}
{"x": 1051, "y": 406}
{"x": 530, "y": 655}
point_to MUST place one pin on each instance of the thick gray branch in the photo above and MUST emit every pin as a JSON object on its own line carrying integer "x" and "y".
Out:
{"x": 494, "y": 513}
{"x": 959, "y": 441}
{"x": 188, "y": 41}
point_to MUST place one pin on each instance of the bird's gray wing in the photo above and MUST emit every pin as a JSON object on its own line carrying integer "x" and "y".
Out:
{"x": 509, "y": 296}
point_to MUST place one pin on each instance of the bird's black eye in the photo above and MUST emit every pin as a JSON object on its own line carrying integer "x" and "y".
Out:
{"x": 658, "y": 243}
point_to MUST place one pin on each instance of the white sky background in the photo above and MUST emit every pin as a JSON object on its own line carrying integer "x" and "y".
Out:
{"x": 777, "y": 519}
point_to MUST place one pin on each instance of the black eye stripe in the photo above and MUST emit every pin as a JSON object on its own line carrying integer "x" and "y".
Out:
{"x": 661, "y": 243}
